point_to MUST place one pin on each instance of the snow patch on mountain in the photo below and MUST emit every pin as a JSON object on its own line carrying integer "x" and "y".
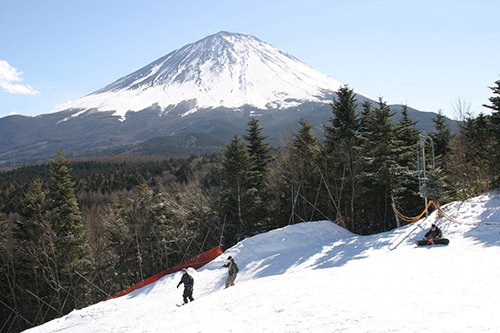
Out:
{"x": 222, "y": 70}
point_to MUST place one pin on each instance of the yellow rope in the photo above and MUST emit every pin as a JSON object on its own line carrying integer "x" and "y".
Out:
{"x": 411, "y": 219}
{"x": 436, "y": 205}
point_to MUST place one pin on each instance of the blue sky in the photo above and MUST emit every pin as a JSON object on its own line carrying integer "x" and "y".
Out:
{"x": 428, "y": 54}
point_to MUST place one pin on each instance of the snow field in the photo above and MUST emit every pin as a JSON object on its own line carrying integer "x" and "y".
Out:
{"x": 318, "y": 277}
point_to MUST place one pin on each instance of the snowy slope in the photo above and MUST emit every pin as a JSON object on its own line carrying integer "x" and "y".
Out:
{"x": 225, "y": 69}
{"x": 318, "y": 277}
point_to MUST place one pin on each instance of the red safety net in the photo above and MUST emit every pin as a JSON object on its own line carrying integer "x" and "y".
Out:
{"x": 195, "y": 262}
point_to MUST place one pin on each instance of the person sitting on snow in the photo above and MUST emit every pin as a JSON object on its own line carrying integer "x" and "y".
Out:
{"x": 434, "y": 233}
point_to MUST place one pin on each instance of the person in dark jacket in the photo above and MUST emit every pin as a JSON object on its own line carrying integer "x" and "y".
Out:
{"x": 434, "y": 233}
{"x": 232, "y": 271}
{"x": 188, "y": 286}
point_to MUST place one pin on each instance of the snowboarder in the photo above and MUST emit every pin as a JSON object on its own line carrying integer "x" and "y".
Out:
{"x": 434, "y": 233}
{"x": 188, "y": 286}
{"x": 433, "y": 237}
{"x": 232, "y": 271}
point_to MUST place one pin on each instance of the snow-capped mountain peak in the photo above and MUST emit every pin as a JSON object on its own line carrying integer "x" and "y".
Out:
{"x": 222, "y": 70}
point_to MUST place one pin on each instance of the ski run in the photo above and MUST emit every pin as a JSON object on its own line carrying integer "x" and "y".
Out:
{"x": 319, "y": 277}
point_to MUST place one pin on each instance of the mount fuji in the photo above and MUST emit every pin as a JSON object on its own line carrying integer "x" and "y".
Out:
{"x": 227, "y": 70}
{"x": 194, "y": 98}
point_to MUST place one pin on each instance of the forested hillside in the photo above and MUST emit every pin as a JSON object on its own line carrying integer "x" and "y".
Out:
{"x": 76, "y": 231}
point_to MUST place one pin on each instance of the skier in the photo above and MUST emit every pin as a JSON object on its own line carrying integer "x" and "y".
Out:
{"x": 434, "y": 233}
{"x": 232, "y": 271}
{"x": 188, "y": 286}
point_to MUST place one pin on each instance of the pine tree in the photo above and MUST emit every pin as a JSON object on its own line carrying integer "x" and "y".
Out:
{"x": 341, "y": 142}
{"x": 69, "y": 236}
{"x": 64, "y": 213}
{"x": 407, "y": 135}
{"x": 483, "y": 154}
{"x": 53, "y": 245}
{"x": 471, "y": 165}
{"x": 122, "y": 241}
{"x": 145, "y": 233}
{"x": 259, "y": 152}
{"x": 441, "y": 136}
{"x": 37, "y": 258}
{"x": 495, "y": 100}
{"x": 258, "y": 149}
{"x": 378, "y": 170}
{"x": 238, "y": 194}
{"x": 303, "y": 174}
{"x": 438, "y": 186}
{"x": 405, "y": 184}
{"x": 344, "y": 124}
{"x": 433, "y": 188}
{"x": 494, "y": 125}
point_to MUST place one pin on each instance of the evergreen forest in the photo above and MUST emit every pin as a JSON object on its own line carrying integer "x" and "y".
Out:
{"x": 73, "y": 232}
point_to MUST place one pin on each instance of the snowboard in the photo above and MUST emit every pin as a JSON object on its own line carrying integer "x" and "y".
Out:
{"x": 443, "y": 241}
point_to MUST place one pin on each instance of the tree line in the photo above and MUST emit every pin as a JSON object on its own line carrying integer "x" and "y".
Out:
{"x": 75, "y": 232}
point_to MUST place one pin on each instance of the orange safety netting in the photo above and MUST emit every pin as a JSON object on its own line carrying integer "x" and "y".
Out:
{"x": 195, "y": 262}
